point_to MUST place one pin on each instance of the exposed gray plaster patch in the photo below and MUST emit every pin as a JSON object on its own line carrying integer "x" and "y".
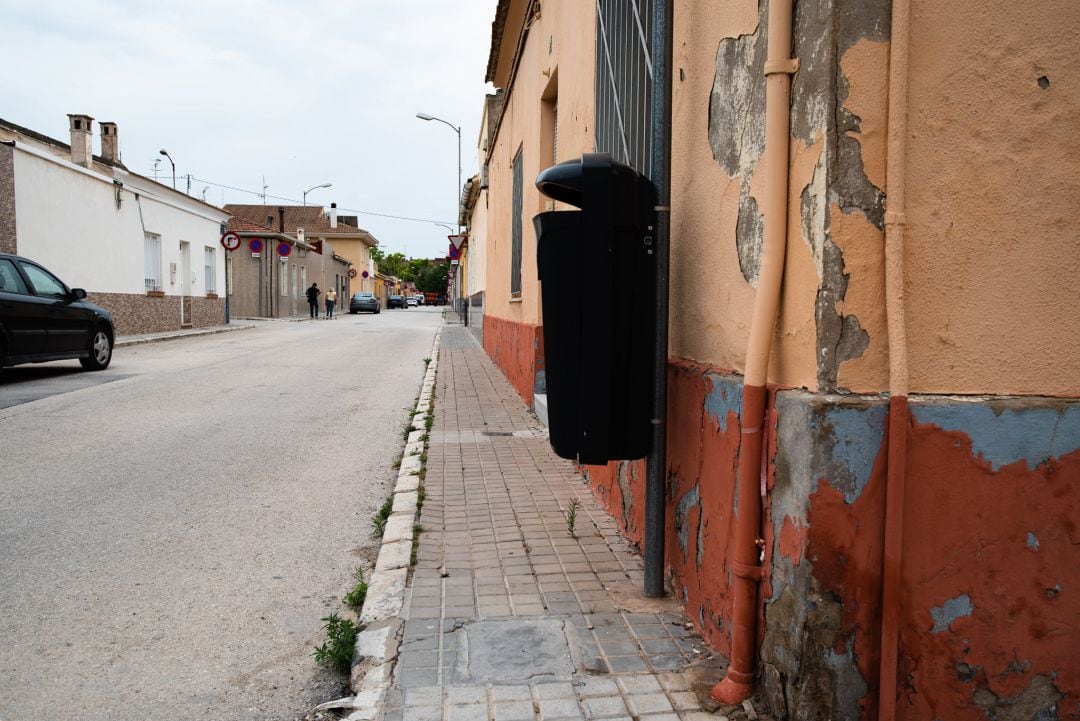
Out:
{"x": 1032, "y": 541}
{"x": 689, "y": 500}
{"x": 824, "y": 31}
{"x": 849, "y": 686}
{"x": 737, "y": 130}
{"x": 622, "y": 477}
{"x": 949, "y": 611}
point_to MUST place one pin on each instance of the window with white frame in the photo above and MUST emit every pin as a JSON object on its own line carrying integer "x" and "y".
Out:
{"x": 210, "y": 269}
{"x": 152, "y": 261}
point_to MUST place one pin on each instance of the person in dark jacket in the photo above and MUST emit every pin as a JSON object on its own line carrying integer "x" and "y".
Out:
{"x": 313, "y": 300}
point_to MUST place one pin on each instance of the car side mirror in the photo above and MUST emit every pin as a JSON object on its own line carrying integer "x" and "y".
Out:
{"x": 77, "y": 294}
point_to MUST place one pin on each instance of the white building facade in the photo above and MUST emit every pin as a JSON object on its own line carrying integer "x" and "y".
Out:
{"x": 145, "y": 252}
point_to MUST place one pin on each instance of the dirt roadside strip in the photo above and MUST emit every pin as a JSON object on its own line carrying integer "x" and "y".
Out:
{"x": 380, "y": 618}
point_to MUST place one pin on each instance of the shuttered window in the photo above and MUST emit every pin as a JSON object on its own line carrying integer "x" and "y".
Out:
{"x": 515, "y": 237}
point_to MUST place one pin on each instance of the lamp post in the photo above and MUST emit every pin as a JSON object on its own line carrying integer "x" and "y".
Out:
{"x": 324, "y": 185}
{"x": 166, "y": 154}
{"x": 457, "y": 190}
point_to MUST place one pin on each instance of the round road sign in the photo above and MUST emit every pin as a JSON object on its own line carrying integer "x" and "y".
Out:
{"x": 230, "y": 241}
{"x": 365, "y": 274}
{"x": 283, "y": 249}
{"x": 256, "y": 245}
{"x": 352, "y": 272}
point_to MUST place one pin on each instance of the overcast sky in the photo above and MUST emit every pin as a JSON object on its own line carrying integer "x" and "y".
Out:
{"x": 303, "y": 93}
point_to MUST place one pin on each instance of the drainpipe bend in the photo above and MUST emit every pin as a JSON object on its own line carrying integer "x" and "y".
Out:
{"x": 898, "y": 361}
{"x": 738, "y": 684}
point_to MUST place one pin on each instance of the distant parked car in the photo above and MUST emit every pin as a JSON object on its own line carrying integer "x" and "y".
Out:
{"x": 41, "y": 319}
{"x": 396, "y": 301}
{"x": 364, "y": 301}
{"x": 411, "y": 301}
{"x": 419, "y": 298}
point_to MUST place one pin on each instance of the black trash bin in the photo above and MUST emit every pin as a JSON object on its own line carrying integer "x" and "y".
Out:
{"x": 598, "y": 292}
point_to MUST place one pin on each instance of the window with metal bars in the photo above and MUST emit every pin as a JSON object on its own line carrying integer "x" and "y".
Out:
{"x": 624, "y": 81}
{"x": 210, "y": 269}
{"x": 152, "y": 261}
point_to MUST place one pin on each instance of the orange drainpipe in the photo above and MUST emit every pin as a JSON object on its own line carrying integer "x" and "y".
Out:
{"x": 746, "y": 568}
{"x": 898, "y": 360}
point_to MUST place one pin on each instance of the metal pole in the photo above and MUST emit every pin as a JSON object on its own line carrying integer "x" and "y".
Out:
{"x": 656, "y": 467}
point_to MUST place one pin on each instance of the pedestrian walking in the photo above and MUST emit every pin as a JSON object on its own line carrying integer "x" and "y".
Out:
{"x": 331, "y": 299}
{"x": 313, "y": 300}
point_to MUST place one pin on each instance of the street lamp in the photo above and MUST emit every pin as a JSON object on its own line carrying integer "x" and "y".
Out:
{"x": 457, "y": 190}
{"x": 324, "y": 185}
{"x": 166, "y": 154}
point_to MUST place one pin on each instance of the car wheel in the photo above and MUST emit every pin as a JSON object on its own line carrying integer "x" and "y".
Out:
{"x": 100, "y": 351}
{"x": 352, "y": 312}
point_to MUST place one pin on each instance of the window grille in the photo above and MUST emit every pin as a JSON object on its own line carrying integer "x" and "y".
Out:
{"x": 624, "y": 81}
{"x": 152, "y": 261}
{"x": 210, "y": 269}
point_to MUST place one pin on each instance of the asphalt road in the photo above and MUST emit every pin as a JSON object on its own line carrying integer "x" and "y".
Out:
{"x": 173, "y": 529}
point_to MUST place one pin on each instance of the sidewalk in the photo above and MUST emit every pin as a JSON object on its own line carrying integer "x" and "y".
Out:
{"x": 507, "y": 615}
{"x": 129, "y": 340}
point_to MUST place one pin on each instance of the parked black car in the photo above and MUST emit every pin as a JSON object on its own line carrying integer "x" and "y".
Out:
{"x": 364, "y": 301}
{"x": 396, "y": 301}
{"x": 41, "y": 319}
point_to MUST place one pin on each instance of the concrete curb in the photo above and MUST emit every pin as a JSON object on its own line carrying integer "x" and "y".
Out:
{"x": 376, "y": 646}
{"x": 123, "y": 342}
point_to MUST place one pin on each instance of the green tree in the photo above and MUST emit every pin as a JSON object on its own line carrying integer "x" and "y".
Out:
{"x": 394, "y": 264}
{"x": 433, "y": 278}
{"x": 377, "y": 254}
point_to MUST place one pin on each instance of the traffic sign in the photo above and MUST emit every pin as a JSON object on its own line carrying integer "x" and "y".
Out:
{"x": 230, "y": 241}
{"x": 255, "y": 245}
{"x": 283, "y": 249}
{"x": 352, "y": 272}
{"x": 455, "y": 253}
{"x": 458, "y": 240}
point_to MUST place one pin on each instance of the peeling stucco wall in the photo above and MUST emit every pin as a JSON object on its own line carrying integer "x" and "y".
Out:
{"x": 990, "y": 555}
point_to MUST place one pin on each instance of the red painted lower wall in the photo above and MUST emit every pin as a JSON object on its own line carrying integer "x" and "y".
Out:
{"x": 702, "y": 458}
{"x": 518, "y": 350}
{"x": 1002, "y": 547}
{"x": 990, "y": 616}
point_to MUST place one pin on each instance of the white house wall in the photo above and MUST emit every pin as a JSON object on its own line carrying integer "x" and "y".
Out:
{"x": 67, "y": 219}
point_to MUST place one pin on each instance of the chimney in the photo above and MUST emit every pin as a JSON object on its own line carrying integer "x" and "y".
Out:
{"x": 82, "y": 140}
{"x": 281, "y": 220}
{"x": 333, "y": 215}
{"x": 110, "y": 144}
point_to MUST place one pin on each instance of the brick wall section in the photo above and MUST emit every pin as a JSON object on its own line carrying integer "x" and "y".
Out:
{"x": 7, "y": 200}
{"x": 134, "y": 314}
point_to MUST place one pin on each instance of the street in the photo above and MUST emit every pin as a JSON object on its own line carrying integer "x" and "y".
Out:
{"x": 174, "y": 528}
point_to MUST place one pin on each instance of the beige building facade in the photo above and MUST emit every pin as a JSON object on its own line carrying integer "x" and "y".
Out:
{"x": 984, "y": 318}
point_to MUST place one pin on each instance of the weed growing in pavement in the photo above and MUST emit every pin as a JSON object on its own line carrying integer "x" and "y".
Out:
{"x": 378, "y": 521}
{"x": 397, "y": 463}
{"x": 423, "y": 458}
{"x": 571, "y": 516}
{"x": 337, "y": 651}
{"x": 425, "y": 437}
{"x": 356, "y": 596}
{"x": 417, "y": 529}
{"x": 528, "y": 548}
{"x": 421, "y": 494}
{"x": 429, "y": 422}
{"x": 427, "y": 361}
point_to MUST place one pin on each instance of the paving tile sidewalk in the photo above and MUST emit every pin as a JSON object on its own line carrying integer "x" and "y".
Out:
{"x": 509, "y": 617}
